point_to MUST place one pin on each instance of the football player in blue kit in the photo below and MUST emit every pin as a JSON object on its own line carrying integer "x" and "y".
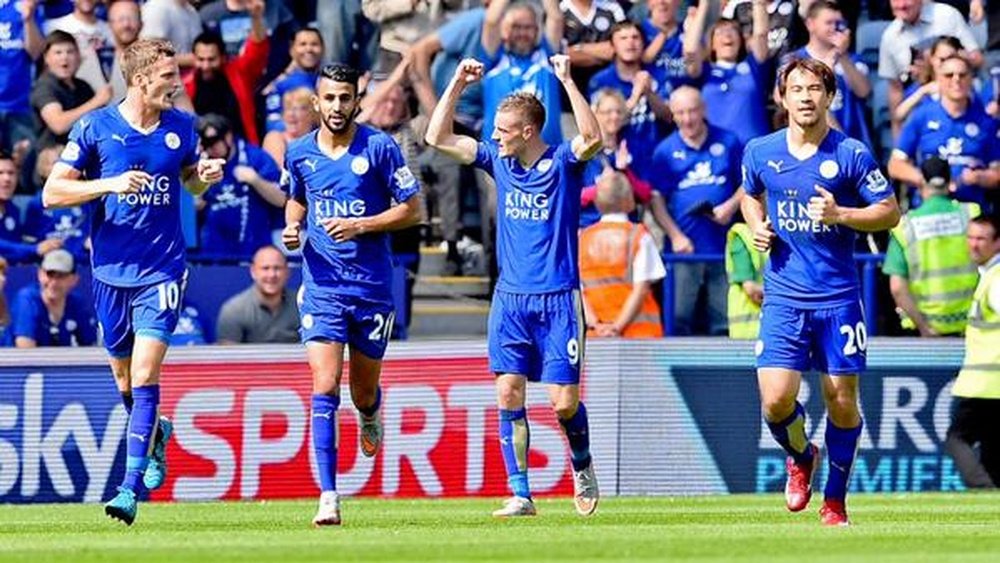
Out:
{"x": 127, "y": 163}
{"x": 536, "y": 326}
{"x": 811, "y": 189}
{"x": 342, "y": 180}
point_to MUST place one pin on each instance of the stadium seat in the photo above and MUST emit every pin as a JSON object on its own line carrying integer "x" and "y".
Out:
{"x": 868, "y": 39}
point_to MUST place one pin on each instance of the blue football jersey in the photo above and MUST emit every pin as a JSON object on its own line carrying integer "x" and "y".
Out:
{"x": 693, "y": 180}
{"x": 70, "y": 224}
{"x": 968, "y": 141}
{"x": 670, "y": 59}
{"x": 77, "y": 327}
{"x": 538, "y": 213}
{"x": 735, "y": 97}
{"x": 137, "y": 237}
{"x": 811, "y": 265}
{"x": 362, "y": 182}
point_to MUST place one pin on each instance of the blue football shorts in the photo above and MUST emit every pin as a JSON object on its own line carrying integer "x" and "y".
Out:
{"x": 540, "y": 336}
{"x": 147, "y": 310}
{"x": 328, "y": 316}
{"x": 831, "y": 341}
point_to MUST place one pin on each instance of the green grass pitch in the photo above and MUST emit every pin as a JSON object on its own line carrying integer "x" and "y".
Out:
{"x": 904, "y": 528}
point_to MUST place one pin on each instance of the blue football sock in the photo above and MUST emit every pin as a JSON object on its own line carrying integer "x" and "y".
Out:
{"x": 127, "y": 401}
{"x": 370, "y": 411}
{"x": 841, "y": 448}
{"x": 324, "y": 437}
{"x": 140, "y": 433}
{"x": 578, "y": 434}
{"x": 514, "y": 442}
{"x": 791, "y": 434}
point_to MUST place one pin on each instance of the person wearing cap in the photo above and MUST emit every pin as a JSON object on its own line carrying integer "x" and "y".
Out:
{"x": 238, "y": 210}
{"x": 49, "y": 314}
{"x": 976, "y": 419}
{"x": 931, "y": 274}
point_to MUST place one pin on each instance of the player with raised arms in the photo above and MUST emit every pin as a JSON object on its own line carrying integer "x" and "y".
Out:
{"x": 342, "y": 180}
{"x": 128, "y": 163}
{"x": 536, "y": 326}
{"x": 811, "y": 189}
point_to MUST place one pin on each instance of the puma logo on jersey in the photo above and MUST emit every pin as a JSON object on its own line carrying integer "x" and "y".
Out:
{"x": 119, "y": 138}
{"x": 776, "y": 164}
{"x": 310, "y": 163}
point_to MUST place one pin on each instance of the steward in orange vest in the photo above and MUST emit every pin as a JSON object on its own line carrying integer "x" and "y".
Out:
{"x": 618, "y": 263}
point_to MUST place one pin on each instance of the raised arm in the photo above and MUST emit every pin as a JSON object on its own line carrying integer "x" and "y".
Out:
{"x": 694, "y": 30}
{"x": 757, "y": 46}
{"x": 588, "y": 142}
{"x": 440, "y": 130}
{"x": 34, "y": 41}
{"x": 492, "y": 35}
{"x": 370, "y": 101}
{"x": 420, "y": 71}
{"x": 555, "y": 23}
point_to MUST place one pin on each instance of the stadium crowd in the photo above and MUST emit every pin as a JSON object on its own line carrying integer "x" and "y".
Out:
{"x": 678, "y": 88}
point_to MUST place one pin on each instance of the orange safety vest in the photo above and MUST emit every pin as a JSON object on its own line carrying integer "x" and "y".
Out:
{"x": 606, "y": 253}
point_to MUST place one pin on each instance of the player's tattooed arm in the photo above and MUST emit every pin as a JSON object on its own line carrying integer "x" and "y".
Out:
{"x": 406, "y": 214}
{"x": 199, "y": 177}
{"x": 64, "y": 188}
{"x": 588, "y": 142}
{"x": 440, "y": 130}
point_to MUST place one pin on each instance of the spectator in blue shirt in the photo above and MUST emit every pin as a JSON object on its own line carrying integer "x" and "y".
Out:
{"x": 238, "y": 209}
{"x": 190, "y": 331}
{"x": 517, "y": 59}
{"x": 48, "y": 314}
{"x": 14, "y": 246}
{"x": 697, "y": 194}
{"x": 307, "y": 55}
{"x": 736, "y": 74}
{"x": 830, "y": 42}
{"x": 957, "y": 129}
{"x": 22, "y": 42}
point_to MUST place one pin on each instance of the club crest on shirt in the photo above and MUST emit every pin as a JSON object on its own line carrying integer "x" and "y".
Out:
{"x": 359, "y": 165}
{"x": 971, "y": 129}
{"x": 9, "y": 224}
{"x": 716, "y": 149}
{"x": 172, "y": 141}
{"x": 828, "y": 169}
{"x": 544, "y": 165}
{"x": 307, "y": 321}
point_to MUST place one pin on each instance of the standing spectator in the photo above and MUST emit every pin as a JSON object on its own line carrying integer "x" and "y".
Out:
{"x": 957, "y": 129}
{"x": 176, "y": 21}
{"x": 917, "y": 21}
{"x": 349, "y": 36}
{"x": 609, "y": 108}
{"x": 70, "y": 225}
{"x": 238, "y": 209}
{"x": 697, "y": 194}
{"x": 265, "y": 312}
{"x": 745, "y": 272}
{"x": 224, "y": 85}
{"x": 926, "y": 87}
{"x": 518, "y": 60}
{"x": 307, "y": 55}
{"x": 644, "y": 86}
{"x": 402, "y": 24}
{"x": 931, "y": 274}
{"x": 786, "y": 28}
{"x": 587, "y": 28}
{"x": 94, "y": 42}
{"x": 21, "y": 43}
{"x": 59, "y": 98}
{"x": 830, "y": 42}
{"x": 619, "y": 262}
{"x": 977, "y": 415}
{"x": 125, "y": 21}
{"x": 664, "y": 37}
{"x": 736, "y": 74}
{"x": 299, "y": 115}
{"x": 5, "y": 338}
{"x": 13, "y": 245}
{"x": 48, "y": 314}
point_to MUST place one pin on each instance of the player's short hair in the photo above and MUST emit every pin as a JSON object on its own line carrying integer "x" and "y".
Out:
{"x": 58, "y": 37}
{"x": 527, "y": 105}
{"x": 210, "y": 38}
{"x": 812, "y": 66}
{"x": 339, "y": 72}
{"x": 612, "y": 190}
{"x": 989, "y": 219}
{"x": 308, "y": 29}
{"x": 816, "y": 7}
{"x": 142, "y": 55}
{"x": 627, "y": 24}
